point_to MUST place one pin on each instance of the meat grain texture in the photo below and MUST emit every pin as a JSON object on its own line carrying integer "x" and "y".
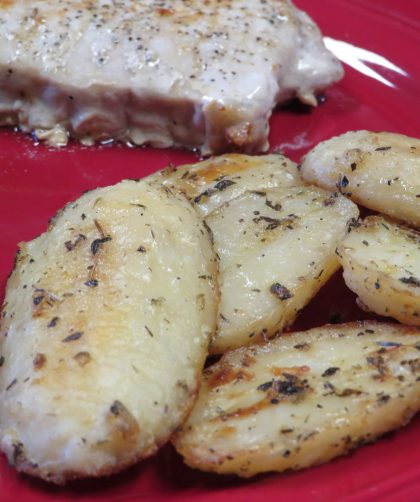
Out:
{"x": 203, "y": 75}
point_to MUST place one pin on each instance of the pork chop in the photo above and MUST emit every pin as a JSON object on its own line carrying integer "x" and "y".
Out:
{"x": 199, "y": 74}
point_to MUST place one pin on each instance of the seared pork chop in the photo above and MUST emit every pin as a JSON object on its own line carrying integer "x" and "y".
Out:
{"x": 198, "y": 74}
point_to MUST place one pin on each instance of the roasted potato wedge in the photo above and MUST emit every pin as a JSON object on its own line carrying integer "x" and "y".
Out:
{"x": 104, "y": 334}
{"x": 276, "y": 249}
{"x": 381, "y": 262}
{"x": 211, "y": 183}
{"x": 378, "y": 170}
{"x": 303, "y": 398}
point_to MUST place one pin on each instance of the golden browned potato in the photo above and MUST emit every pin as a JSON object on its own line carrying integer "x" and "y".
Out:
{"x": 303, "y": 398}
{"x": 276, "y": 249}
{"x": 378, "y": 170}
{"x": 381, "y": 262}
{"x": 105, "y": 329}
{"x": 210, "y": 183}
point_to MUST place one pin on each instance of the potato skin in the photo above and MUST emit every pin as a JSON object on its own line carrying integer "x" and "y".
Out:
{"x": 302, "y": 399}
{"x": 104, "y": 332}
{"x": 381, "y": 264}
{"x": 378, "y": 170}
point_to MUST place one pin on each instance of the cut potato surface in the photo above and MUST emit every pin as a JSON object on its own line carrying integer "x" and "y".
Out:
{"x": 210, "y": 183}
{"x": 303, "y": 399}
{"x": 276, "y": 249}
{"x": 378, "y": 170}
{"x": 105, "y": 329}
{"x": 381, "y": 262}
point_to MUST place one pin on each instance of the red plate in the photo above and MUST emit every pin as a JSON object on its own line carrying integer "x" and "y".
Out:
{"x": 36, "y": 181}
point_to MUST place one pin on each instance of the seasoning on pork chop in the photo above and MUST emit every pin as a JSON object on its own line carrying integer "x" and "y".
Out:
{"x": 202, "y": 75}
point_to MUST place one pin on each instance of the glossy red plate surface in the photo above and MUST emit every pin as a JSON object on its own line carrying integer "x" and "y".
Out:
{"x": 36, "y": 181}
